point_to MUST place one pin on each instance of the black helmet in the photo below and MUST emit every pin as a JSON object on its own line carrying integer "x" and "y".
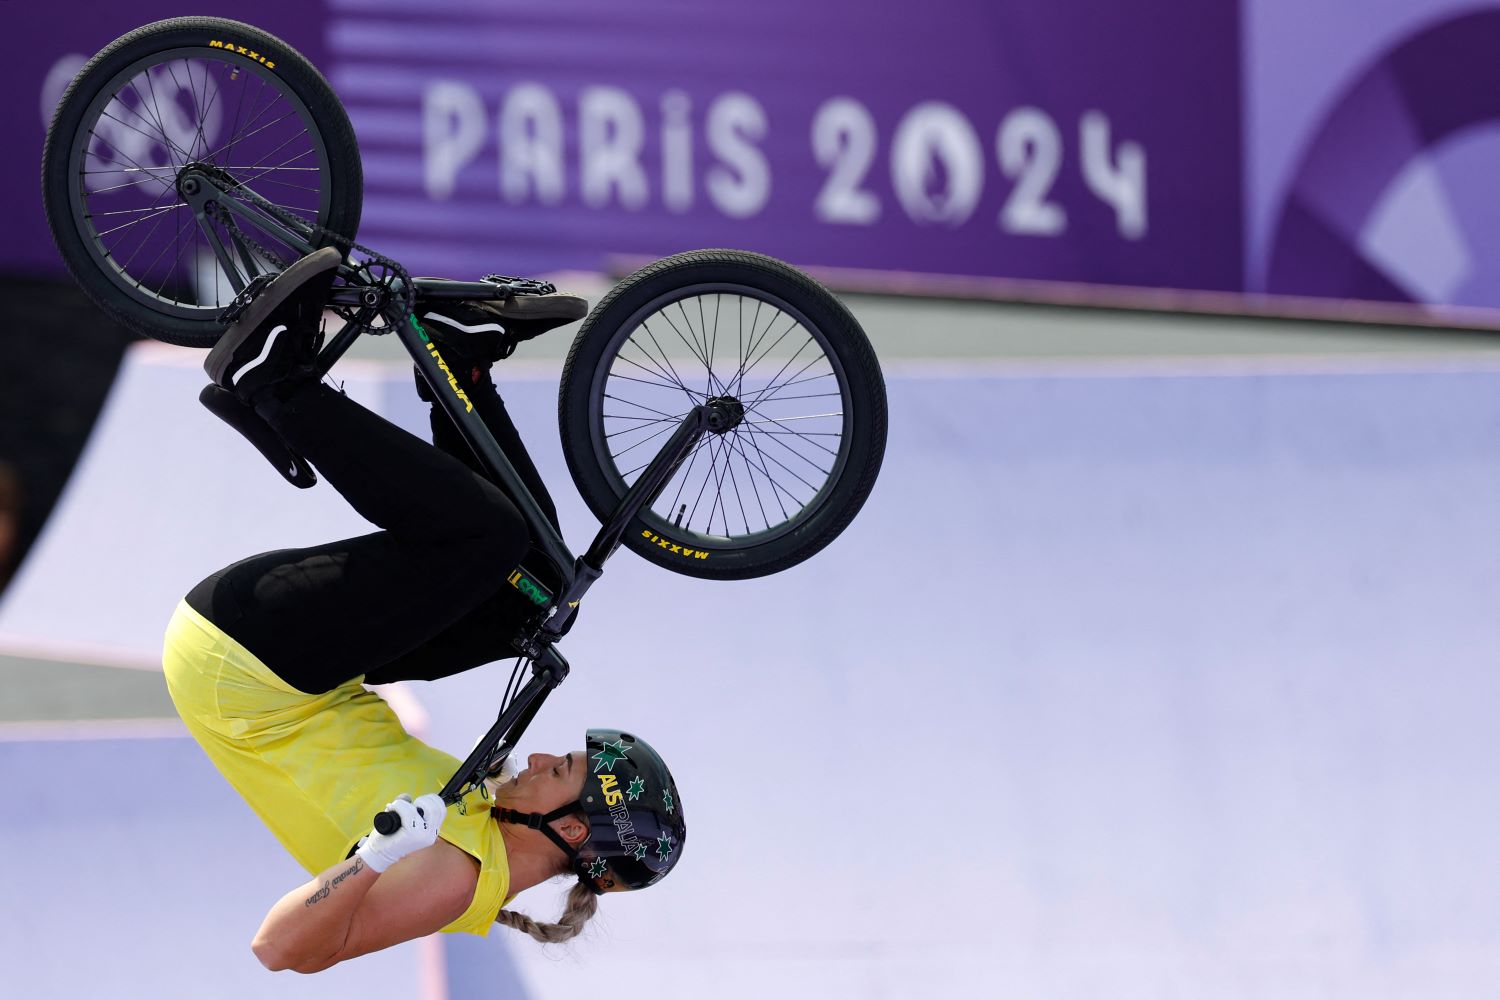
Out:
{"x": 636, "y": 829}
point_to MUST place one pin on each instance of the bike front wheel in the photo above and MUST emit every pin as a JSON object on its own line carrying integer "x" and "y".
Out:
{"x": 775, "y": 350}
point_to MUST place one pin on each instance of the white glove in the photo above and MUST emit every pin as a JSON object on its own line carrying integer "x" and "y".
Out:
{"x": 420, "y": 822}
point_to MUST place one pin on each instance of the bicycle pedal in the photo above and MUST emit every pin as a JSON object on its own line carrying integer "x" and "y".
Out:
{"x": 242, "y": 300}
{"x": 242, "y": 417}
{"x": 522, "y": 286}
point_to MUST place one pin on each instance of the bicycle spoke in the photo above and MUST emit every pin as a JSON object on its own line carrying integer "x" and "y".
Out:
{"x": 755, "y": 341}
{"x": 621, "y": 416}
{"x": 702, "y": 343}
{"x": 136, "y": 222}
{"x": 115, "y": 149}
{"x": 694, "y": 512}
{"x": 815, "y": 395}
{"x": 285, "y": 184}
{"x": 176, "y": 260}
{"x": 762, "y": 430}
{"x": 686, "y": 474}
{"x": 805, "y": 436}
{"x": 203, "y": 114}
{"x": 235, "y": 133}
{"x": 798, "y": 454}
{"x": 667, "y": 373}
{"x": 239, "y": 184}
{"x": 125, "y": 211}
{"x": 729, "y": 467}
{"x": 707, "y": 351}
{"x": 719, "y": 488}
{"x": 782, "y": 420}
{"x": 653, "y": 437}
{"x": 772, "y": 387}
{"x": 665, "y": 359}
{"x": 656, "y": 382}
{"x": 691, "y": 346}
{"x": 146, "y": 271}
{"x": 750, "y": 475}
{"x": 777, "y": 490}
{"x": 239, "y": 106}
{"x": 187, "y": 153}
{"x": 629, "y": 402}
{"x": 629, "y": 378}
{"x": 119, "y": 187}
{"x": 640, "y": 427}
{"x": 157, "y": 203}
{"x": 115, "y": 146}
{"x": 161, "y": 122}
{"x": 768, "y": 419}
{"x": 209, "y": 156}
{"x": 144, "y": 240}
{"x": 763, "y": 354}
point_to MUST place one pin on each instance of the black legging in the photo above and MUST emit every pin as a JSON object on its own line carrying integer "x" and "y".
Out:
{"x": 423, "y": 598}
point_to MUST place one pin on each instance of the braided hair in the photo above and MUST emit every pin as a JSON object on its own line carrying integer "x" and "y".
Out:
{"x": 582, "y": 905}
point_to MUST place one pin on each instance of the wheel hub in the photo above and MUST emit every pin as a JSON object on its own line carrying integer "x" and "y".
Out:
{"x": 201, "y": 181}
{"x": 725, "y": 413}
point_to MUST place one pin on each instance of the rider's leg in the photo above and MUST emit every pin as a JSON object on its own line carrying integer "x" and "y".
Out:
{"x": 481, "y": 636}
{"x": 479, "y": 385}
{"x": 322, "y": 615}
{"x": 319, "y": 616}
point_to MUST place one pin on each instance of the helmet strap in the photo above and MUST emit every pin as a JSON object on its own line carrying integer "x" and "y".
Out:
{"x": 543, "y": 822}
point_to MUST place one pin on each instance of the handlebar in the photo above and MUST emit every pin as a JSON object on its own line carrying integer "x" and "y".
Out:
{"x": 549, "y": 668}
{"x": 388, "y": 821}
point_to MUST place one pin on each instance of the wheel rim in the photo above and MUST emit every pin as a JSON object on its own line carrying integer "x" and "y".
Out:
{"x": 766, "y": 473}
{"x": 147, "y": 123}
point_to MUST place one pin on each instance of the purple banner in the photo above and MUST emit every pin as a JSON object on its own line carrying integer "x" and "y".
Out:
{"x": 1374, "y": 143}
{"x": 1087, "y": 144}
{"x": 1064, "y": 141}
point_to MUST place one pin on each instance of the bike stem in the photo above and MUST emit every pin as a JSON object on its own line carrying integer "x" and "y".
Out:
{"x": 642, "y": 494}
{"x": 547, "y": 672}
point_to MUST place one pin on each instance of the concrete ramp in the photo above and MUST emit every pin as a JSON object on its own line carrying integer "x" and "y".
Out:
{"x": 1129, "y": 681}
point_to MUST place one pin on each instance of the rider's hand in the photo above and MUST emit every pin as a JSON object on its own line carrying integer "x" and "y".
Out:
{"x": 418, "y": 830}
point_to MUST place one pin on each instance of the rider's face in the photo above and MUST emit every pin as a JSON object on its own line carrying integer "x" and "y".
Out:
{"x": 547, "y": 782}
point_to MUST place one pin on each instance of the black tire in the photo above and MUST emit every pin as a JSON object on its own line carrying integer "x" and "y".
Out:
{"x": 116, "y": 93}
{"x": 781, "y": 511}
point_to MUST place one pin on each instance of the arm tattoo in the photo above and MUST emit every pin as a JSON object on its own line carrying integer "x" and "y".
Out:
{"x": 328, "y": 886}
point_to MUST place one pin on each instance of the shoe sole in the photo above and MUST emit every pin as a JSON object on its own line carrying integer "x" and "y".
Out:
{"x": 221, "y": 360}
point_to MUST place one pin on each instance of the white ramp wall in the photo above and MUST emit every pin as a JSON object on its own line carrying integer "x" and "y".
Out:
{"x": 1128, "y": 682}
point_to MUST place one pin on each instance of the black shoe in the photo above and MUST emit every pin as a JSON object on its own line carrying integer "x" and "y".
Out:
{"x": 485, "y": 331}
{"x": 278, "y": 332}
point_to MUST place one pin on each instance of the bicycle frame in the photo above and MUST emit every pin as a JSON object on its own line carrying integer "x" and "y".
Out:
{"x": 577, "y": 574}
{"x": 368, "y": 299}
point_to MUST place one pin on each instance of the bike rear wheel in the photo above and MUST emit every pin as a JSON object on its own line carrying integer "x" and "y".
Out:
{"x": 780, "y": 354}
{"x": 159, "y": 136}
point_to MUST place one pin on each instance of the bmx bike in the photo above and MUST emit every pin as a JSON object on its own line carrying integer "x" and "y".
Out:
{"x": 193, "y": 159}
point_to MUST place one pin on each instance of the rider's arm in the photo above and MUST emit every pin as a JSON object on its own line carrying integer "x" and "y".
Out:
{"x": 351, "y": 910}
{"x": 369, "y": 902}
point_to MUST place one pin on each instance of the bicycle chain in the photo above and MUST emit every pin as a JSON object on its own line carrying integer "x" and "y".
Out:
{"x": 400, "y": 301}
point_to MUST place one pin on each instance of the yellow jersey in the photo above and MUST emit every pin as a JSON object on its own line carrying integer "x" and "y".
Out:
{"x": 317, "y": 767}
